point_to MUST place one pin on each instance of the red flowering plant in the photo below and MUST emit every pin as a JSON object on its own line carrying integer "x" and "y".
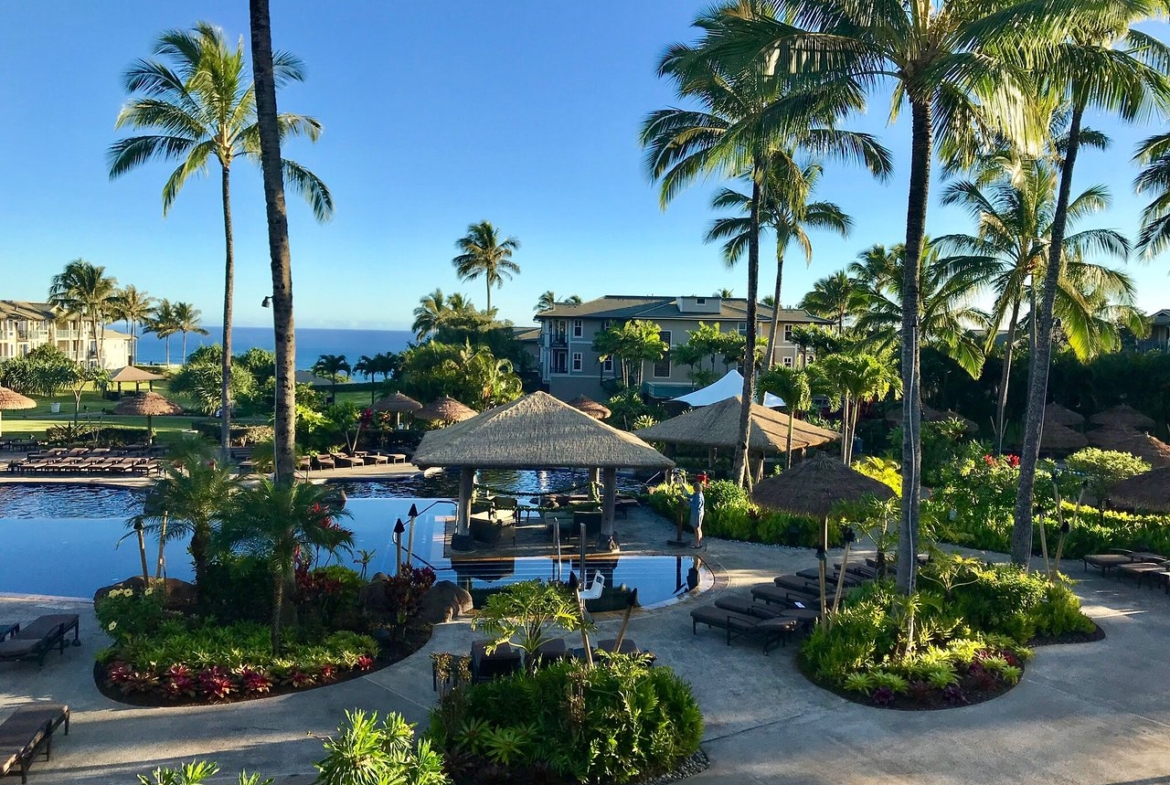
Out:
{"x": 404, "y": 593}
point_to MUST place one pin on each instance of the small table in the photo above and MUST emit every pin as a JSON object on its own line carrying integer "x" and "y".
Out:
{"x": 7, "y": 629}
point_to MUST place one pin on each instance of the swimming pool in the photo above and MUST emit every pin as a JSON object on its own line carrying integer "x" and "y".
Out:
{"x": 74, "y": 557}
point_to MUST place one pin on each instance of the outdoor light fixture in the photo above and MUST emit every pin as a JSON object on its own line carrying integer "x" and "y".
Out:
{"x": 821, "y": 553}
{"x": 413, "y": 511}
{"x": 266, "y": 302}
{"x": 399, "y": 527}
{"x": 848, "y": 535}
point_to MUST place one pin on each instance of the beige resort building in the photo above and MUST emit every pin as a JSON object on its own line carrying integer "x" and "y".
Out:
{"x": 25, "y": 325}
{"x": 570, "y": 367}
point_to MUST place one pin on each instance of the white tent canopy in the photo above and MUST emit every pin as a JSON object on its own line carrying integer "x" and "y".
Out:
{"x": 729, "y": 386}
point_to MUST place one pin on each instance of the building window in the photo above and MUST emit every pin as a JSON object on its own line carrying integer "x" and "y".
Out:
{"x": 577, "y": 362}
{"x": 607, "y": 364}
{"x": 662, "y": 366}
{"x": 788, "y": 333}
{"x": 787, "y": 362}
{"x": 605, "y": 324}
{"x": 578, "y": 328}
{"x": 742, "y": 327}
{"x": 700, "y": 301}
{"x": 559, "y": 364}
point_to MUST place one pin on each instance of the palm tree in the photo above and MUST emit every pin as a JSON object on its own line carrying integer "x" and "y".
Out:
{"x": 269, "y": 123}
{"x": 1099, "y": 64}
{"x": 833, "y": 297}
{"x": 1154, "y": 156}
{"x": 946, "y": 59}
{"x": 199, "y": 96}
{"x": 366, "y": 366}
{"x": 851, "y": 380}
{"x": 547, "y": 300}
{"x": 792, "y": 386}
{"x": 1014, "y": 212}
{"x": 187, "y": 319}
{"x": 726, "y": 293}
{"x": 163, "y": 323}
{"x": 484, "y": 253}
{"x": 786, "y": 211}
{"x": 135, "y": 308}
{"x": 275, "y": 522}
{"x": 190, "y": 497}
{"x": 331, "y": 366}
{"x": 746, "y": 114}
{"x": 84, "y": 292}
{"x": 946, "y": 287}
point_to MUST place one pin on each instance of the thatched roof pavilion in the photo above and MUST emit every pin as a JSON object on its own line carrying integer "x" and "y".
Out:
{"x": 591, "y": 407}
{"x": 816, "y": 486}
{"x": 717, "y": 425}
{"x": 131, "y": 373}
{"x": 445, "y": 409}
{"x": 11, "y": 400}
{"x": 930, "y": 414}
{"x": 1123, "y": 416}
{"x": 396, "y": 402}
{"x": 1061, "y": 415}
{"x": 1150, "y": 449}
{"x": 1149, "y": 491}
{"x": 149, "y": 405}
{"x": 536, "y": 431}
{"x": 1061, "y": 439}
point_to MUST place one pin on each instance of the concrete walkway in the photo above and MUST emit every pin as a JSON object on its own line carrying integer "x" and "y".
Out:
{"x": 1089, "y": 714}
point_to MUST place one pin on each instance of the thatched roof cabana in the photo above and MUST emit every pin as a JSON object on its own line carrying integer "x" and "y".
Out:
{"x": 445, "y": 409}
{"x": 930, "y": 414}
{"x": 535, "y": 432}
{"x": 11, "y": 400}
{"x": 131, "y": 373}
{"x": 1061, "y": 415}
{"x": 1062, "y": 439}
{"x": 717, "y": 426}
{"x": 816, "y": 486}
{"x": 1149, "y": 491}
{"x": 1153, "y": 451}
{"x": 591, "y": 407}
{"x": 396, "y": 403}
{"x": 148, "y": 405}
{"x": 1123, "y": 416}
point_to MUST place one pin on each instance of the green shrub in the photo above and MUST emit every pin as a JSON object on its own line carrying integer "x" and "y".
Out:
{"x": 124, "y": 613}
{"x": 366, "y": 752}
{"x": 237, "y": 587}
{"x": 620, "y": 722}
{"x": 1102, "y": 469}
{"x": 725, "y": 493}
{"x": 735, "y": 518}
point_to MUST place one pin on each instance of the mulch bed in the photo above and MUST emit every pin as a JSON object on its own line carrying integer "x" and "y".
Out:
{"x": 1097, "y": 634}
{"x": 394, "y": 651}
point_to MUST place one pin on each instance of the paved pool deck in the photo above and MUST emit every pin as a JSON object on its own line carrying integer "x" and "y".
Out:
{"x": 1087, "y": 714}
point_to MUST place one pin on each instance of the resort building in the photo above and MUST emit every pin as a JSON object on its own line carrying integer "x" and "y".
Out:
{"x": 571, "y": 367}
{"x": 25, "y": 325}
{"x": 1159, "y": 337}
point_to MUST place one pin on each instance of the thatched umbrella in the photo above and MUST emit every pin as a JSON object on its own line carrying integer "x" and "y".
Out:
{"x": 1061, "y": 415}
{"x": 148, "y": 405}
{"x": 591, "y": 407}
{"x": 397, "y": 403}
{"x": 1154, "y": 451}
{"x": 717, "y": 425}
{"x": 1123, "y": 416}
{"x": 816, "y": 487}
{"x": 11, "y": 400}
{"x": 535, "y": 432}
{"x": 1061, "y": 438}
{"x": 445, "y": 409}
{"x": 130, "y": 373}
{"x": 930, "y": 414}
{"x": 1149, "y": 491}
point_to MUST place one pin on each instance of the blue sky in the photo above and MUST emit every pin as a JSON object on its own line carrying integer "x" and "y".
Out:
{"x": 522, "y": 113}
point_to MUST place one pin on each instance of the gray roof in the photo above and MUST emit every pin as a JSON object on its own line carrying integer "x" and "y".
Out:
{"x": 526, "y": 333}
{"x": 613, "y": 306}
{"x": 22, "y": 310}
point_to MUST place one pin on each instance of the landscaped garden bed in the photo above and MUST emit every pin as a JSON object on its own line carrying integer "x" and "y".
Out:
{"x": 962, "y": 638}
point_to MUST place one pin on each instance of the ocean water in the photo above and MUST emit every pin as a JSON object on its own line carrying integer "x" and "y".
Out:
{"x": 311, "y": 343}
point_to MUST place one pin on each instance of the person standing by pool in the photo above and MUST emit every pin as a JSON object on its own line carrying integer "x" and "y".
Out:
{"x": 698, "y": 507}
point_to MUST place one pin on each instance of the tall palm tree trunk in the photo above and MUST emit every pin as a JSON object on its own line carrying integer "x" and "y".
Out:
{"x": 167, "y": 347}
{"x": 775, "y": 307}
{"x": 788, "y": 445}
{"x": 228, "y": 284}
{"x": 284, "y": 445}
{"x": 1042, "y": 353}
{"x": 1005, "y": 376}
{"x": 184, "y": 345}
{"x": 740, "y": 464}
{"x": 489, "y": 295}
{"x": 920, "y": 157}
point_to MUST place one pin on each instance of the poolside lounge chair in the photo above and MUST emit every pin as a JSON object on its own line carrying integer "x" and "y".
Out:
{"x": 324, "y": 462}
{"x": 503, "y": 661}
{"x": 770, "y": 593}
{"x": 346, "y": 461}
{"x": 35, "y": 640}
{"x": 1143, "y": 569}
{"x": 28, "y": 730}
{"x": 797, "y": 583}
{"x": 769, "y": 631}
{"x": 1108, "y": 561}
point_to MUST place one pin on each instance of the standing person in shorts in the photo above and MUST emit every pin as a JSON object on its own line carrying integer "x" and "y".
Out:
{"x": 698, "y": 508}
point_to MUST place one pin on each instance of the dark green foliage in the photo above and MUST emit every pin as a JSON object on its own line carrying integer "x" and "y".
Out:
{"x": 237, "y": 588}
{"x": 619, "y": 722}
{"x": 731, "y": 516}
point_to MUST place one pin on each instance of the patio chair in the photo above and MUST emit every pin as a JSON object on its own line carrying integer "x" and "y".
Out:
{"x": 324, "y": 462}
{"x": 35, "y": 640}
{"x": 505, "y": 504}
{"x": 1108, "y": 561}
{"x": 346, "y": 460}
{"x": 769, "y": 631}
{"x": 503, "y": 661}
{"x": 27, "y": 733}
{"x": 592, "y": 521}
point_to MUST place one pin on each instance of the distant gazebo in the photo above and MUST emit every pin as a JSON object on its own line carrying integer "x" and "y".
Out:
{"x": 132, "y": 373}
{"x": 149, "y": 405}
{"x": 535, "y": 432}
{"x": 397, "y": 404}
{"x": 445, "y": 410}
{"x": 1150, "y": 449}
{"x": 1123, "y": 416}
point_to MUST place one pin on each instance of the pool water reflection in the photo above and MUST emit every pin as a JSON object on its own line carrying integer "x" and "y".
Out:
{"x": 74, "y": 557}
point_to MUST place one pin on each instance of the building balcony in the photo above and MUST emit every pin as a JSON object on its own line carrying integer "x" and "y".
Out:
{"x": 558, "y": 340}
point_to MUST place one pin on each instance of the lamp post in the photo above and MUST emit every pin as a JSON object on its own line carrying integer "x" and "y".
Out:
{"x": 267, "y": 303}
{"x": 399, "y": 528}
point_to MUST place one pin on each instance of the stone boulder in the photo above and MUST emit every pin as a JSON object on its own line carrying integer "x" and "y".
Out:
{"x": 181, "y": 595}
{"x": 444, "y": 602}
{"x": 372, "y": 597}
